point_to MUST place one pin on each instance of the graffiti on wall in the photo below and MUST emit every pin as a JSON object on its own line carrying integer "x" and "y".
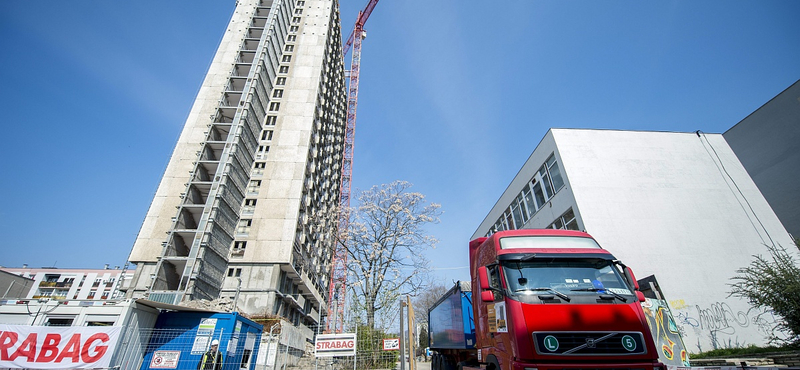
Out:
{"x": 665, "y": 332}
{"x": 719, "y": 322}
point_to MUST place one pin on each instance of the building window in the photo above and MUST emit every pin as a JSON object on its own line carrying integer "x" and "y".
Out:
{"x": 289, "y": 48}
{"x": 298, "y": 11}
{"x": 534, "y": 195}
{"x": 230, "y": 272}
{"x": 286, "y": 58}
{"x": 283, "y": 69}
{"x": 555, "y": 173}
{"x": 238, "y": 272}
{"x": 253, "y": 186}
{"x": 280, "y": 81}
{"x": 271, "y": 120}
{"x": 249, "y": 206}
{"x": 274, "y": 106}
{"x": 567, "y": 221}
{"x": 291, "y": 38}
{"x": 296, "y": 20}
{"x": 59, "y": 321}
{"x": 239, "y": 245}
{"x": 266, "y": 135}
{"x": 293, "y": 29}
{"x": 261, "y": 165}
{"x": 301, "y": 3}
{"x": 244, "y": 226}
{"x": 99, "y": 323}
{"x": 278, "y": 93}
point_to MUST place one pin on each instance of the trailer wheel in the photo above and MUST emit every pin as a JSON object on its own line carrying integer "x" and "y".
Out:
{"x": 436, "y": 362}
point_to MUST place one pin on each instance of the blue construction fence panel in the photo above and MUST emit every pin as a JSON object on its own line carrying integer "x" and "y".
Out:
{"x": 180, "y": 339}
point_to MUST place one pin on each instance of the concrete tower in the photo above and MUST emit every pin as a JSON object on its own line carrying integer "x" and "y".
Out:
{"x": 260, "y": 153}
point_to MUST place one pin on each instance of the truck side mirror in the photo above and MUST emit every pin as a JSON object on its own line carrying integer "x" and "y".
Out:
{"x": 629, "y": 272}
{"x": 483, "y": 279}
{"x": 640, "y": 296}
{"x": 487, "y": 296}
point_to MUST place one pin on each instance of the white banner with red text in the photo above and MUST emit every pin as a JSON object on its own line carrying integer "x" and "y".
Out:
{"x": 57, "y": 347}
{"x": 334, "y": 345}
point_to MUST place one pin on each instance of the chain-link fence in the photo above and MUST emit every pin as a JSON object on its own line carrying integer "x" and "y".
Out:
{"x": 378, "y": 342}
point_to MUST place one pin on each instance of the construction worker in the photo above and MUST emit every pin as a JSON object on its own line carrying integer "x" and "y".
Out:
{"x": 212, "y": 359}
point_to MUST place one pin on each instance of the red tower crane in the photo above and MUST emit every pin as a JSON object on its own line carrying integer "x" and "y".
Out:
{"x": 338, "y": 283}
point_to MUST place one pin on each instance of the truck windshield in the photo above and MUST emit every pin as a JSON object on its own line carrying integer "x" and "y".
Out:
{"x": 572, "y": 277}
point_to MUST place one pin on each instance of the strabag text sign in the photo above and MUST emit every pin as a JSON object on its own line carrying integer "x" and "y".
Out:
{"x": 50, "y": 347}
{"x": 335, "y": 345}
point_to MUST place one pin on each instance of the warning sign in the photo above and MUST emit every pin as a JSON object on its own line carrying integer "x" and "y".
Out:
{"x": 165, "y": 360}
{"x": 391, "y": 344}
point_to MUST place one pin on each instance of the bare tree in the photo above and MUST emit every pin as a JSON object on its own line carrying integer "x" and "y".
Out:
{"x": 426, "y": 299}
{"x": 385, "y": 243}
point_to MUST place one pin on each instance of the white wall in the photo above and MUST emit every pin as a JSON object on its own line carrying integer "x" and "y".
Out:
{"x": 679, "y": 206}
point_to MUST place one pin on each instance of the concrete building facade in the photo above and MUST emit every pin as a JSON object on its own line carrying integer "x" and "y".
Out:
{"x": 260, "y": 154}
{"x": 73, "y": 284}
{"x": 677, "y": 206}
{"x": 766, "y": 143}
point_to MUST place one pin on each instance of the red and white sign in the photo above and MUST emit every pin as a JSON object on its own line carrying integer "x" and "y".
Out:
{"x": 391, "y": 344}
{"x": 333, "y": 345}
{"x": 165, "y": 360}
{"x": 53, "y": 347}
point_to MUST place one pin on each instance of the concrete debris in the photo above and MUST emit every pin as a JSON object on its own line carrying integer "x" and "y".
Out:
{"x": 219, "y": 304}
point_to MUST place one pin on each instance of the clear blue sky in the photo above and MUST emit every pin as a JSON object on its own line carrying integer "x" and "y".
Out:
{"x": 454, "y": 97}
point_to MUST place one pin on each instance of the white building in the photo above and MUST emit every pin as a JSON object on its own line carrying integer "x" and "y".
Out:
{"x": 679, "y": 206}
{"x": 72, "y": 284}
{"x": 766, "y": 144}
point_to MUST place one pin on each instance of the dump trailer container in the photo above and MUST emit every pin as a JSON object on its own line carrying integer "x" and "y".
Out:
{"x": 451, "y": 327}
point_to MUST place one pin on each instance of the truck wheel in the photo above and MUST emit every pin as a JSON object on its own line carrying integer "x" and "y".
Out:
{"x": 436, "y": 363}
{"x": 493, "y": 365}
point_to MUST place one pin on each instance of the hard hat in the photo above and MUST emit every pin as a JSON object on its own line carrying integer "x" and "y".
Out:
{"x": 214, "y": 342}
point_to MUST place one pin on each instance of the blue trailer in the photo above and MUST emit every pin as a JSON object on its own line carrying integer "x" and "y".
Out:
{"x": 451, "y": 327}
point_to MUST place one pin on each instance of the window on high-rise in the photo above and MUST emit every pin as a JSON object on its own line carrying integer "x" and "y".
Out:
{"x": 244, "y": 226}
{"x": 280, "y": 81}
{"x": 283, "y": 69}
{"x": 253, "y": 186}
{"x": 277, "y": 93}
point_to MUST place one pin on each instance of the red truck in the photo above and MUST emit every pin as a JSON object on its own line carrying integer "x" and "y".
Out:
{"x": 542, "y": 299}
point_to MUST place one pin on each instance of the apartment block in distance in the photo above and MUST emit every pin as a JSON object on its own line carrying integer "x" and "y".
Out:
{"x": 259, "y": 155}
{"x": 73, "y": 284}
{"x": 678, "y": 208}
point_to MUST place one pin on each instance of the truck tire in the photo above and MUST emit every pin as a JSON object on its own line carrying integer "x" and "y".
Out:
{"x": 492, "y": 364}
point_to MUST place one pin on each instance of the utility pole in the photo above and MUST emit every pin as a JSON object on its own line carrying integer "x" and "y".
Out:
{"x": 402, "y": 338}
{"x": 411, "y": 336}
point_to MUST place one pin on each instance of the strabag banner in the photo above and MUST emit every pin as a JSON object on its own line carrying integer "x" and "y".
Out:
{"x": 57, "y": 347}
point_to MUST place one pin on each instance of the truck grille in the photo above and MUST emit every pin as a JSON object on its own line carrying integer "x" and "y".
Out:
{"x": 589, "y": 343}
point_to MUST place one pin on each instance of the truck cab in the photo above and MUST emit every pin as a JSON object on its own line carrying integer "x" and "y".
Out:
{"x": 554, "y": 299}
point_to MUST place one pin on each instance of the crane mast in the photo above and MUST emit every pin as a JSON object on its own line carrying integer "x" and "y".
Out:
{"x": 338, "y": 283}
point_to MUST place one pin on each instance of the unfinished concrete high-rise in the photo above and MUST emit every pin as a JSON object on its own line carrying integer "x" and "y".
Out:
{"x": 259, "y": 155}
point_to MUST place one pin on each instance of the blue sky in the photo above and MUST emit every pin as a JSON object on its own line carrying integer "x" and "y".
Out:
{"x": 454, "y": 97}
